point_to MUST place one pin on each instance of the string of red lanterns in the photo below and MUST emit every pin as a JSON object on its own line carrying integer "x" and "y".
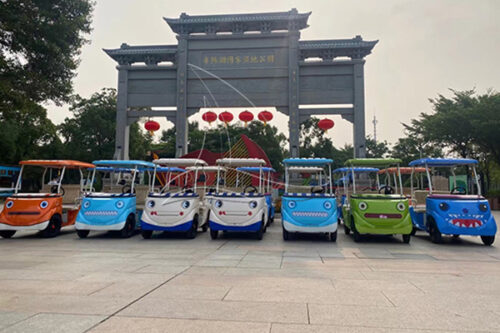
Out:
{"x": 326, "y": 124}
{"x": 244, "y": 116}
{"x": 151, "y": 126}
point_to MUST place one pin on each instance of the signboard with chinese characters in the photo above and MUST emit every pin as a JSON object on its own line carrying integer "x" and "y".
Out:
{"x": 237, "y": 59}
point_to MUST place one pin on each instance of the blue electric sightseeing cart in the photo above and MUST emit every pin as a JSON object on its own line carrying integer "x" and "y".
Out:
{"x": 452, "y": 204}
{"x": 118, "y": 205}
{"x": 8, "y": 179}
{"x": 309, "y": 204}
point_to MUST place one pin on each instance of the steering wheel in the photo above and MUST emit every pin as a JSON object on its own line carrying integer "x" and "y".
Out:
{"x": 387, "y": 189}
{"x": 458, "y": 190}
{"x": 187, "y": 189}
{"x": 53, "y": 189}
{"x": 127, "y": 189}
{"x": 317, "y": 189}
{"x": 250, "y": 188}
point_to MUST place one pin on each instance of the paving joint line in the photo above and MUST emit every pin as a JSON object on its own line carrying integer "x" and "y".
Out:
{"x": 308, "y": 316}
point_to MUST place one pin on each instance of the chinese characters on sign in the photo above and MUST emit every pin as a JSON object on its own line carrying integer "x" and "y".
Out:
{"x": 238, "y": 59}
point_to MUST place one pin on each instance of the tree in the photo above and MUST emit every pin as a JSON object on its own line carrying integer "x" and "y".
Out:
{"x": 376, "y": 149}
{"x": 90, "y": 134}
{"x": 39, "y": 44}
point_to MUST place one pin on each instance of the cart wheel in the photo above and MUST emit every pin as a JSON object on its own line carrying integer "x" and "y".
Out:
{"x": 53, "y": 228}
{"x": 214, "y": 234}
{"x": 147, "y": 234}
{"x": 406, "y": 239}
{"x": 82, "y": 233}
{"x": 347, "y": 231}
{"x": 259, "y": 234}
{"x": 7, "y": 233}
{"x": 456, "y": 236}
{"x": 355, "y": 234}
{"x": 271, "y": 220}
{"x": 191, "y": 233}
{"x": 413, "y": 231}
{"x": 333, "y": 236}
{"x": 204, "y": 227}
{"x": 434, "y": 232}
{"x": 488, "y": 240}
{"x": 128, "y": 228}
{"x": 286, "y": 234}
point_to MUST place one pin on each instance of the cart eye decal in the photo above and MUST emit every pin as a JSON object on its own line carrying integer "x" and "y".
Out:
{"x": 218, "y": 204}
{"x": 44, "y": 204}
{"x": 9, "y": 204}
{"x": 86, "y": 204}
{"x": 185, "y": 204}
{"x": 119, "y": 204}
{"x": 400, "y": 206}
{"x": 252, "y": 204}
{"x": 444, "y": 206}
{"x": 362, "y": 205}
{"x": 483, "y": 207}
{"x": 327, "y": 205}
{"x": 151, "y": 203}
{"x": 291, "y": 204}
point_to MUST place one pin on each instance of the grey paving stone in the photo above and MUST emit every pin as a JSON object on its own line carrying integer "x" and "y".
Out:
{"x": 55, "y": 323}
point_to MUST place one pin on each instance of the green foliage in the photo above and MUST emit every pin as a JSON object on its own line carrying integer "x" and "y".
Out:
{"x": 376, "y": 149}
{"x": 90, "y": 134}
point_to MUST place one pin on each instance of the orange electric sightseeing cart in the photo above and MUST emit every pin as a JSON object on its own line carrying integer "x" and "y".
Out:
{"x": 55, "y": 206}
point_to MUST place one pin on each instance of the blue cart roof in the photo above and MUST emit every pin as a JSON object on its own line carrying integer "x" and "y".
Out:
{"x": 171, "y": 169}
{"x": 438, "y": 162}
{"x": 9, "y": 168}
{"x": 356, "y": 170}
{"x": 255, "y": 169}
{"x": 124, "y": 163}
{"x": 308, "y": 161}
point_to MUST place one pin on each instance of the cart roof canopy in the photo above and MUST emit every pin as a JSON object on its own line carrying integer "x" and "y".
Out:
{"x": 124, "y": 163}
{"x": 356, "y": 170}
{"x": 255, "y": 169}
{"x": 305, "y": 169}
{"x": 443, "y": 162}
{"x": 320, "y": 162}
{"x": 403, "y": 170}
{"x": 58, "y": 163}
{"x": 372, "y": 162}
{"x": 210, "y": 168}
{"x": 241, "y": 162}
{"x": 180, "y": 161}
{"x": 169, "y": 169}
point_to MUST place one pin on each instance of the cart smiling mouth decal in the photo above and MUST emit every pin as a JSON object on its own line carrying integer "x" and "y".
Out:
{"x": 310, "y": 214}
{"x": 383, "y": 216}
{"x": 466, "y": 223}
{"x": 101, "y": 213}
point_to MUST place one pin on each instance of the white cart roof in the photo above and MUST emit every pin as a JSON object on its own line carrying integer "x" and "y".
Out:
{"x": 179, "y": 162}
{"x": 305, "y": 169}
{"x": 239, "y": 162}
{"x": 210, "y": 168}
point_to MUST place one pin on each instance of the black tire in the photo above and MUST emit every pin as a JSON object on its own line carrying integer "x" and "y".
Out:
{"x": 413, "y": 231}
{"x": 129, "y": 227}
{"x": 147, "y": 234}
{"x": 214, "y": 234}
{"x": 406, "y": 239}
{"x": 355, "y": 234}
{"x": 434, "y": 232}
{"x": 456, "y": 236}
{"x": 54, "y": 227}
{"x": 82, "y": 233}
{"x": 191, "y": 233}
{"x": 286, "y": 234}
{"x": 333, "y": 236}
{"x": 204, "y": 227}
{"x": 7, "y": 233}
{"x": 260, "y": 233}
{"x": 347, "y": 231}
{"x": 271, "y": 220}
{"x": 488, "y": 240}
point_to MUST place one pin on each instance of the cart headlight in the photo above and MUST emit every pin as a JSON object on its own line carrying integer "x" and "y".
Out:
{"x": 44, "y": 204}
{"x": 444, "y": 206}
{"x": 151, "y": 203}
{"x": 218, "y": 204}
{"x": 483, "y": 207}
{"x": 86, "y": 204}
{"x": 401, "y": 206}
{"x": 327, "y": 204}
{"x": 9, "y": 204}
{"x": 362, "y": 205}
{"x": 291, "y": 204}
{"x": 119, "y": 204}
{"x": 186, "y": 204}
{"x": 252, "y": 204}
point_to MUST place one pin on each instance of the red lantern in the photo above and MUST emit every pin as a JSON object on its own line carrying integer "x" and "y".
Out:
{"x": 151, "y": 126}
{"x": 246, "y": 116}
{"x": 209, "y": 117}
{"x": 325, "y": 124}
{"x": 226, "y": 117}
{"x": 265, "y": 116}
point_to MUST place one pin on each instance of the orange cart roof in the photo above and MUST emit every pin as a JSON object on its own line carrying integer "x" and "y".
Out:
{"x": 404, "y": 170}
{"x": 58, "y": 163}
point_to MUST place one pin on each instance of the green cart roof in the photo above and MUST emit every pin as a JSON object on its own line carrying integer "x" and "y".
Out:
{"x": 372, "y": 162}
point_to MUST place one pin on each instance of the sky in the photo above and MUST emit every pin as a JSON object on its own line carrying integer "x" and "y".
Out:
{"x": 426, "y": 47}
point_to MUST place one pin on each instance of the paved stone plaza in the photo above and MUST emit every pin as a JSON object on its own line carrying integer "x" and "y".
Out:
{"x": 238, "y": 284}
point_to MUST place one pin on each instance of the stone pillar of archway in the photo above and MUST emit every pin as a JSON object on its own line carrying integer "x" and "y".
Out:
{"x": 293, "y": 91}
{"x": 122, "y": 125}
{"x": 181, "y": 124}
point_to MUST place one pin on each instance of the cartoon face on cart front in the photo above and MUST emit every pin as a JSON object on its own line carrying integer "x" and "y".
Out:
{"x": 114, "y": 208}
{"x": 309, "y": 206}
{"x": 456, "y": 212}
{"x": 172, "y": 208}
{"x": 231, "y": 210}
{"x": 56, "y": 205}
